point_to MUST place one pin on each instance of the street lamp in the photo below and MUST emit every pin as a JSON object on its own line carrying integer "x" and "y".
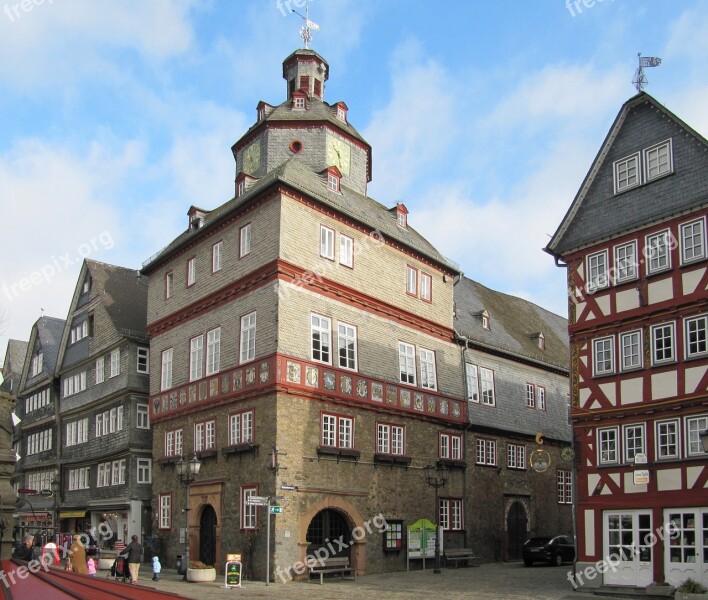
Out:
{"x": 187, "y": 473}
{"x": 437, "y": 477}
{"x": 56, "y": 488}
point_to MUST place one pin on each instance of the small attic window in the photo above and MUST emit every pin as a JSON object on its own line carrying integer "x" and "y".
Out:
{"x": 261, "y": 113}
{"x": 401, "y": 215}
{"x": 87, "y": 284}
{"x": 541, "y": 341}
{"x": 485, "y": 320}
{"x": 341, "y": 114}
{"x": 243, "y": 184}
{"x": 333, "y": 179}
{"x": 298, "y": 101}
{"x": 196, "y": 217}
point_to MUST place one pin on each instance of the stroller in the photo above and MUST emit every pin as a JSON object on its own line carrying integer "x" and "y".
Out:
{"x": 119, "y": 570}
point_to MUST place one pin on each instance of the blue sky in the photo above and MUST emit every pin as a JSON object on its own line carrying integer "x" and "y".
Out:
{"x": 484, "y": 116}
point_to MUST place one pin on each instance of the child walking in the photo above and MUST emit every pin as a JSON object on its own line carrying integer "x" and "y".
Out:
{"x": 91, "y": 565}
{"x": 156, "y": 568}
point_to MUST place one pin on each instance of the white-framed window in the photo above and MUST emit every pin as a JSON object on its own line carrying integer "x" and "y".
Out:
{"x": 346, "y": 346}
{"x": 169, "y": 284}
{"x": 241, "y": 428}
{"x": 333, "y": 182}
{"x": 165, "y": 502}
{"x": 248, "y": 337}
{"x": 428, "y": 378}
{"x": 668, "y": 440}
{"x": 196, "y": 358}
{"x": 103, "y": 475}
{"x": 118, "y": 474}
{"x": 390, "y": 439}
{"x": 100, "y": 370}
{"x": 472, "y": 382}
{"x": 608, "y": 446}
{"x": 213, "y": 354}
{"x": 662, "y": 343}
{"x": 204, "y": 436}
{"x": 216, "y": 256}
{"x": 696, "y": 336}
{"x": 341, "y": 114}
{"x": 77, "y": 432}
{"x": 321, "y": 331}
{"x": 486, "y": 381}
{"x": 598, "y": 277}
{"x": 626, "y": 262}
{"x": 326, "y": 242}
{"x": 694, "y": 427}
{"x": 411, "y": 280}
{"x": 631, "y": 350}
{"x": 515, "y": 456}
{"x": 244, "y": 240}
{"x": 540, "y": 397}
{"x": 74, "y": 384}
{"x": 144, "y": 470}
{"x": 142, "y": 420}
{"x": 658, "y": 254}
{"x": 173, "y": 442}
{"x": 402, "y": 219}
{"x": 249, "y": 512}
{"x": 658, "y": 160}
{"x": 299, "y": 103}
{"x": 79, "y": 478}
{"x": 627, "y": 173}
{"x": 406, "y": 362}
{"x": 450, "y": 446}
{"x": 603, "y": 356}
{"x": 633, "y": 437}
{"x": 564, "y": 480}
{"x": 143, "y": 360}
{"x": 37, "y": 401}
{"x": 485, "y": 452}
{"x": 115, "y": 363}
{"x": 530, "y": 395}
{"x": 451, "y": 514}
{"x": 426, "y": 287}
{"x": 693, "y": 241}
{"x": 37, "y": 363}
{"x": 337, "y": 431}
{"x": 346, "y": 251}
{"x": 166, "y": 369}
{"x": 191, "y": 271}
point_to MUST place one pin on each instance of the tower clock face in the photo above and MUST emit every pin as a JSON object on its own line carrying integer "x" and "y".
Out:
{"x": 338, "y": 154}
{"x": 252, "y": 158}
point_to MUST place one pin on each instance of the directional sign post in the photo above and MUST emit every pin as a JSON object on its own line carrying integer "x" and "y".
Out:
{"x": 258, "y": 500}
{"x": 276, "y": 510}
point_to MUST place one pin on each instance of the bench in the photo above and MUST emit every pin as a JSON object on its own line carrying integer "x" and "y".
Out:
{"x": 330, "y": 565}
{"x": 459, "y": 554}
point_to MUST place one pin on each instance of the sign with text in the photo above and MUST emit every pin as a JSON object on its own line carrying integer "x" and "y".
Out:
{"x": 641, "y": 476}
{"x": 257, "y": 500}
{"x": 232, "y": 574}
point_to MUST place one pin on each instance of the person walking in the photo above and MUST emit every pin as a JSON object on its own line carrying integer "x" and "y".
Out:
{"x": 25, "y": 551}
{"x": 135, "y": 553}
{"x": 156, "y": 568}
{"x": 91, "y": 566}
{"x": 77, "y": 556}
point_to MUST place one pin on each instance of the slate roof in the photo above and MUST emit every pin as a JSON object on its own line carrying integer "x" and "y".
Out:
{"x": 597, "y": 213}
{"x": 46, "y": 333}
{"x": 12, "y": 365}
{"x": 298, "y": 176}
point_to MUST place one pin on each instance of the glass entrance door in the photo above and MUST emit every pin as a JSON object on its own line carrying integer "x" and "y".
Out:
{"x": 627, "y": 548}
{"x": 686, "y": 545}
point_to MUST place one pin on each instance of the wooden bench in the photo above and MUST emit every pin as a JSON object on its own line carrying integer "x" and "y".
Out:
{"x": 459, "y": 554}
{"x": 330, "y": 565}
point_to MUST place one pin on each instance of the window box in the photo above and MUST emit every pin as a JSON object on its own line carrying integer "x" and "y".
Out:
{"x": 390, "y": 459}
{"x": 203, "y": 454}
{"x": 452, "y": 464}
{"x": 239, "y": 449}
{"x": 339, "y": 453}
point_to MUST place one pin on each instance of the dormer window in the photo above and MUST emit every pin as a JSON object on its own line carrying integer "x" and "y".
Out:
{"x": 401, "y": 215}
{"x": 243, "y": 183}
{"x": 484, "y": 318}
{"x": 299, "y": 101}
{"x": 485, "y": 321}
{"x": 540, "y": 340}
{"x": 334, "y": 176}
{"x": 342, "y": 111}
{"x": 241, "y": 190}
{"x": 196, "y": 217}
{"x": 261, "y": 113}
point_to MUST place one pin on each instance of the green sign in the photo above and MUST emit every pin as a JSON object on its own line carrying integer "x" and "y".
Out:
{"x": 233, "y": 574}
{"x": 277, "y": 510}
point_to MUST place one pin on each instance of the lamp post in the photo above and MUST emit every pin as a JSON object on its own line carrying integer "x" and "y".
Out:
{"x": 187, "y": 472}
{"x": 437, "y": 477}
{"x": 56, "y": 488}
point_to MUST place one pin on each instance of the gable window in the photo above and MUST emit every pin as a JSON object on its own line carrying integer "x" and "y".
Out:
{"x": 564, "y": 480}
{"x": 667, "y": 439}
{"x": 298, "y": 103}
{"x": 626, "y": 173}
{"x": 472, "y": 382}
{"x": 485, "y": 452}
{"x": 657, "y": 251}
{"x": 530, "y": 395}
{"x": 401, "y": 219}
{"x": 332, "y": 182}
{"x": 142, "y": 420}
{"x": 346, "y": 343}
{"x": 597, "y": 271}
{"x": 486, "y": 323}
{"x": 658, "y": 160}
{"x": 144, "y": 470}
{"x": 37, "y": 363}
{"x": 411, "y": 281}
{"x": 515, "y": 456}
{"x": 486, "y": 379}
{"x": 631, "y": 348}
{"x": 169, "y": 282}
{"x": 196, "y": 358}
{"x": 341, "y": 114}
{"x": 406, "y": 362}
{"x": 337, "y": 432}
{"x": 244, "y": 240}
{"x": 213, "y": 357}
{"x": 693, "y": 241}
{"x": 694, "y": 427}
{"x": 241, "y": 428}
{"x": 100, "y": 370}
{"x": 696, "y": 336}
{"x": 608, "y": 445}
{"x": 204, "y": 436}
{"x": 143, "y": 360}
{"x": 326, "y": 242}
{"x": 115, "y": 363}
{"x": 540, "y": 398}
{"x": 165, "y": 502}
{"x": 450, "y": 446}
{"x": 603, "y": 351}
{"x": 216, "y": 257}
{"x": 173, "y": 443}
{"x": 390, "y": 439}
{"x": 241, "y": 189}
{"x": 248, "y": 337}
{"x": 249, "y": 512}
{"x": 346, "y": 251}
{"x": 626, "y": 262}
{"x": 87, "y": 284}
{"x": 166, "y": 369}
{"x": 427, "y": 370}
{"x": 662, "y": 343}
{"x": 633, "y": 441}
{"x": 191, "y": 271}
{"x": 426, "y": 287}
{"x": 79, "y": 331}
{"x": 451, "y": 514}
{"x": 321, "y": 331}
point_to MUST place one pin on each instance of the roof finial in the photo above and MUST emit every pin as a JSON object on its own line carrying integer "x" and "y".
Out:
{"x": 309, "y": 26}
{"x": 640, "y": 80}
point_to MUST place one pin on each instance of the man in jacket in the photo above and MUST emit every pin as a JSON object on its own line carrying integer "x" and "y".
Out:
{"x": 135, "y": 553}
{"x": 25, "y": 551}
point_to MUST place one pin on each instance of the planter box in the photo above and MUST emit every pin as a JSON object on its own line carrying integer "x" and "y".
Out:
{"x": 201, "y": 575}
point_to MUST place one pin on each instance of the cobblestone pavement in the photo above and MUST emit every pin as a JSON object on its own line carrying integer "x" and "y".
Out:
{"x": 490, "y": 582}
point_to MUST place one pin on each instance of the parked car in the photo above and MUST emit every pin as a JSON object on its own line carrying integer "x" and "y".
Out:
{"x": 553, "y": 550}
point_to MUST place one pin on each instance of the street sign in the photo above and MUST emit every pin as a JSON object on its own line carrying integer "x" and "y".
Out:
{"x": 289, "y": 488}
{"x": 257, "y": 500}
{"x": 277, "y": 510}
{"x": 26, "y": 491}
{"x": 47, "y": 493}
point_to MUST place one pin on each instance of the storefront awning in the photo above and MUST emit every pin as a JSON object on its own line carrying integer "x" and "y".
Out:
{"x": 31, "y": 518}
{"x": 72, "y": 514}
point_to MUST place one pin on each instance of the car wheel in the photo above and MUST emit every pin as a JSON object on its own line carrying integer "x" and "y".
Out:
{"x": 528, "y": 563}
{"x": 558, "y": 560}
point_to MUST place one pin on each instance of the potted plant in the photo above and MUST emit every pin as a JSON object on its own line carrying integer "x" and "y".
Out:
{"x": 198, "y": 572}
{"x": 691, "y": 590}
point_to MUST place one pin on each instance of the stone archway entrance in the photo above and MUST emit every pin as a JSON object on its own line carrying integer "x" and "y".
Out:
{"x": 325, "y": 527}
{"x": 516, "y": 530}
{"x": 207, "y": 535}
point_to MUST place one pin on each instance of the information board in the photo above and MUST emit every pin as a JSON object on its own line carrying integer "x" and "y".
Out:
{"x": 232, "y": 574}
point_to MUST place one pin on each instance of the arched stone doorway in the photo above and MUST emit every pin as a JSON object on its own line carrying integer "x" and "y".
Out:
{"x": 516, "y": 529}
{"x": 325, "y": 527}
{"x": 207, "y": 535}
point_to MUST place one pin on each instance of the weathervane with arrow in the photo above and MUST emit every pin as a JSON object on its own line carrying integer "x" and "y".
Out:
{"x": 308, "y": 27}
{"x": 640, "y": 80}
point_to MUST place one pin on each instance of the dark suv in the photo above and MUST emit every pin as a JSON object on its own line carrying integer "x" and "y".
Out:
{"x": 554, "y": 550}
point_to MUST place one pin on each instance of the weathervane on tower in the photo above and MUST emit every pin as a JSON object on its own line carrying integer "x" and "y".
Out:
{"x": 309, "y": 26}
{"x": 640, "y": 80}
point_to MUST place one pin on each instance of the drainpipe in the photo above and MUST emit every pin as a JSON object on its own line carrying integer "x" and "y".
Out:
{"x": 460, "y": 337}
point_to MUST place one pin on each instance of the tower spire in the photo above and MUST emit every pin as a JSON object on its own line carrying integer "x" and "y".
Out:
{"x": 308, "y": 27}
